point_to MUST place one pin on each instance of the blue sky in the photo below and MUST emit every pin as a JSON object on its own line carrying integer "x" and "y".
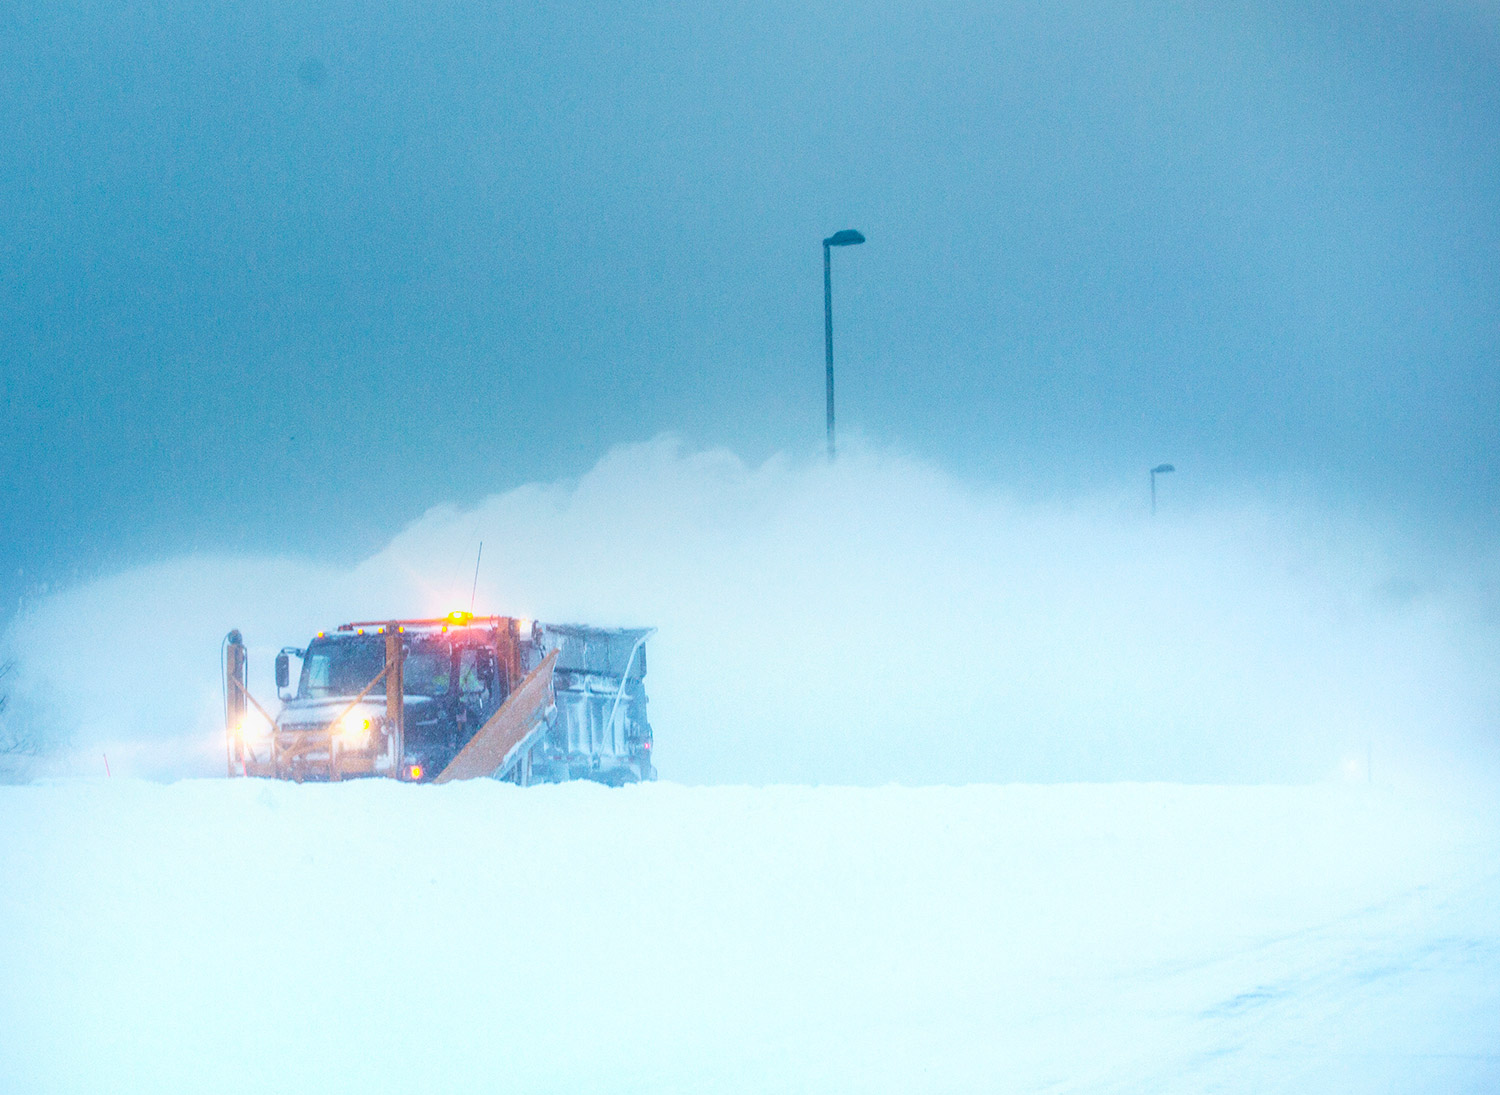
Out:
{"x": 280, "y": 279}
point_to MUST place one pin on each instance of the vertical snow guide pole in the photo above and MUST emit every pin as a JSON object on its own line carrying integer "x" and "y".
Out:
{"x": 234, "y": 695}
{"x": 395, "y": 696}
{"x": 508, "y": 654}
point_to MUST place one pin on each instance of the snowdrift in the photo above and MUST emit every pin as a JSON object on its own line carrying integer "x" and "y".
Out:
{"x": 868, "y": 622}
{"x": 374, "y": 937}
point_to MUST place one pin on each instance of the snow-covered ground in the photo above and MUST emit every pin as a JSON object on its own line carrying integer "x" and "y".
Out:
{"x": 248, "y": 936}
{"x": 869, "y": 622}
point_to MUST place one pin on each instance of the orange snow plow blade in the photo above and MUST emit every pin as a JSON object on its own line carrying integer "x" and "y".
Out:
{"x": 498, "y": 743}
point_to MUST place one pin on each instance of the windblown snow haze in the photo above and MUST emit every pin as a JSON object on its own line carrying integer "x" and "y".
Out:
{"x": 867, "y": 622}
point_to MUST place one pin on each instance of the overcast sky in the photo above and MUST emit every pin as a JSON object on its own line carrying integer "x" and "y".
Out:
{"x": 279, "y": 277}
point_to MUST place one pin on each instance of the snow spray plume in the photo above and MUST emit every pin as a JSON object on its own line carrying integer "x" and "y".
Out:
{"x": 867, "y": 622}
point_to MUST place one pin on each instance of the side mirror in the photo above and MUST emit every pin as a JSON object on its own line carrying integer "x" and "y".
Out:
{"x": 283, "y": 670}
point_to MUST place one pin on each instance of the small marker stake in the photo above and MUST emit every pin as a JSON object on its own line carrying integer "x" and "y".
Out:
{"x": 106, "y": 764}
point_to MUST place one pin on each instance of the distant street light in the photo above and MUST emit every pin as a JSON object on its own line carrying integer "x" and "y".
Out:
{"x": 1160, "y": 469}
{"x": 838, "y": 239}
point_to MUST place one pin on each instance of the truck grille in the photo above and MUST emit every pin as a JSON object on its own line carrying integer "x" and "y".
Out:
{"x": 305, "y": 728}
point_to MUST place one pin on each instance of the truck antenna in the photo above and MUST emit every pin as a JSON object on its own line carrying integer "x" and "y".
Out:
{"x": 475, "y": 589}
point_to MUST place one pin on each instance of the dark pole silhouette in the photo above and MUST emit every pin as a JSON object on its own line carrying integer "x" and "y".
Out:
{"x": 838, "y": 239}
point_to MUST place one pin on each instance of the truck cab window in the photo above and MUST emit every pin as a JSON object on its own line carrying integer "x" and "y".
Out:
{"x": 341, "y": 667}
{"x": 477, "y": 682}
{"x": 428, "y": 671}
{"x": 476, "y": 672}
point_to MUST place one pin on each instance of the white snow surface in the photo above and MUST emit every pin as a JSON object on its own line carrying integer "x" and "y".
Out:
{"x": 368, "y": 937}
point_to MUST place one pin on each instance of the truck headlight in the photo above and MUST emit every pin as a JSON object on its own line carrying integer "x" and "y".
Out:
{"x": 254, "y": 730}
{"x": 354, "y": 730}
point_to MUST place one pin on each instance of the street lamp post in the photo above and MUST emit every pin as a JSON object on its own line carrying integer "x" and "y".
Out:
{"x": 1160, "y": 469}
{"x": 838, "y": 239}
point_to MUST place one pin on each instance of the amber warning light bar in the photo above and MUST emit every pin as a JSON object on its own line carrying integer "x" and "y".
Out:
{"x": 453, "y": 619}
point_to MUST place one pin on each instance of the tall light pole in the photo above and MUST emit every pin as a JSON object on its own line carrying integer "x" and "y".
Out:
{"x": 838, "y": 239}
{"x": 1160, "y": 469}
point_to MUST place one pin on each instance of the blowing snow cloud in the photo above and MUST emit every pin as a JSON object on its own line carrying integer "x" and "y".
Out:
{"x": 869, "y": 622}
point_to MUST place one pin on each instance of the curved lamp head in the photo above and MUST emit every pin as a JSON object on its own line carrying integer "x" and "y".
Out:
{"x": 844, "y": 238}
{"x": 1162, "y": 469}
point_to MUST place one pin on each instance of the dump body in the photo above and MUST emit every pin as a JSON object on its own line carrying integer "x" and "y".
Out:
{"x": 600, "y": 731}
{"x": 404, "y": 699}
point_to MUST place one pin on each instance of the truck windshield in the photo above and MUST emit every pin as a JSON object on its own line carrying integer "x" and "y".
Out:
{"x": 428, "y": 670}
{"x": 342, "y": 667}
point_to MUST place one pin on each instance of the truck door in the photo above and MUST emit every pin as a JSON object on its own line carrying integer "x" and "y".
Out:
{"x": 478, "y": 685}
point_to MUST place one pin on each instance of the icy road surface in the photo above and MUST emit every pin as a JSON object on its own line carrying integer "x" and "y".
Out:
{"x": 370, "y": 937}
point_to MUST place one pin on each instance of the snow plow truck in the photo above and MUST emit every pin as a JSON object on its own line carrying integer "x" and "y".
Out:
{"x": 457, "y": 697}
